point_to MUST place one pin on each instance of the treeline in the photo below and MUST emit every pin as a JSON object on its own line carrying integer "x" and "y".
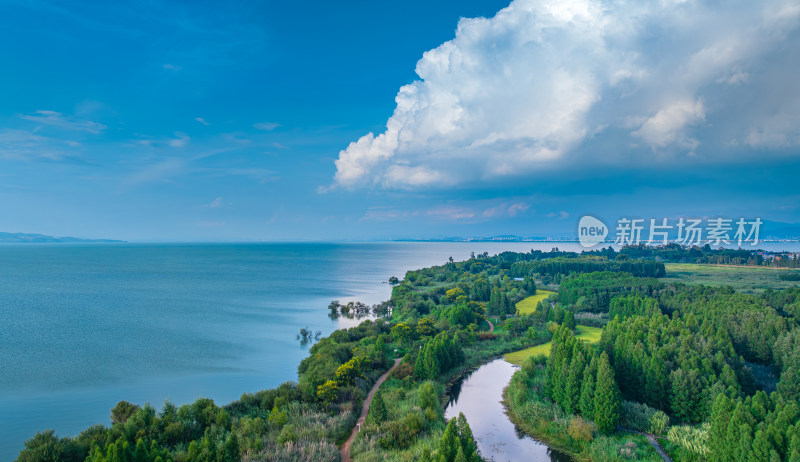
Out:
{"x": 706, "y": 255}
{"x": 564, "y": 266}
{"x": 594, "y": 291}
{"x": 696, "y": 254}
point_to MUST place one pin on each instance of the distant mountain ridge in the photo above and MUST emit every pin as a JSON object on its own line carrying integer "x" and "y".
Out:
{"x": 769, "y": 231}
{"x": 25, "y": 238}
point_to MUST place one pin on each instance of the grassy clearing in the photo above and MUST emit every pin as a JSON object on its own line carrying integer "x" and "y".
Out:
{"x": 585, "y": 333}
{"x": 528, "y": 305}
{"x": 745, "y": 279}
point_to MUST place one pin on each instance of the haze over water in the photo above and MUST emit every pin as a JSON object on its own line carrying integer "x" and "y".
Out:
{"x": 85, "y": 326}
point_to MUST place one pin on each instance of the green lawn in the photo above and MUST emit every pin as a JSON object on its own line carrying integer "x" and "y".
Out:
{"x": 528, "y": 305}
{"x": 585, "y": 333}
{"x": 745, "y": 279}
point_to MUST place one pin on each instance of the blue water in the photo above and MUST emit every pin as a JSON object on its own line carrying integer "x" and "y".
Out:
{"x": 479, "y": 396}
{"x": 85, "y": 326}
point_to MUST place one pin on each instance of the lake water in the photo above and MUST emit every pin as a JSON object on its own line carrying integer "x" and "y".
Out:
{"x": 85, "y": 326}
{"x": 479, "y": 397}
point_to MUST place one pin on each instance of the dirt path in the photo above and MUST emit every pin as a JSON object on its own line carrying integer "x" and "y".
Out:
{"x": 491, "y": 326}
{"x": 344, "y": 452}
{"x": 653, "y": 442}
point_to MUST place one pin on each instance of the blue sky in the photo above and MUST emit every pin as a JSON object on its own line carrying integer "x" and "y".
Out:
{"x": 162, "y": 121}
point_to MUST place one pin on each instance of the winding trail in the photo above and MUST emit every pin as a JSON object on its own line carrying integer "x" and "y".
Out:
{"x": 653, "y": 442}
{"x": 344, "y": 452}
{"x": 491, "y": 326}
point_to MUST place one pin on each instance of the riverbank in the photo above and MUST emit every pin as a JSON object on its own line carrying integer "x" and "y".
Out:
{"x": 407, "y": 431}
{"x": 479, "y": 396}
{"x": 545, "y": 421}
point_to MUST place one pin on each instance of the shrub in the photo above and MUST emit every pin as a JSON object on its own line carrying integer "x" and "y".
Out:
{"x": 532, "y": 362}
{"x": 402, "y": 371}
{"x": 580, "y": 429}
{"x": 643, "y": 418}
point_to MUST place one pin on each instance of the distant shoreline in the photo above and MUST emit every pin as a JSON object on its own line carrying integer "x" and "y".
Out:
{"x": 28, "y": 238}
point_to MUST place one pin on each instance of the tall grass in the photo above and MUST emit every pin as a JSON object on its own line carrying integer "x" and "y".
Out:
{"x": 299, "y": 451}
{"x": 693, "y": 439}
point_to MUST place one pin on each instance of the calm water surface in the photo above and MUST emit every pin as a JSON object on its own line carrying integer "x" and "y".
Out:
{"x": 85, "y": 326}
{"x": 479, "y": 397}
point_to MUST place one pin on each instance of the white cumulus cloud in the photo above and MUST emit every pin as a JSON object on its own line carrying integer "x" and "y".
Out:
{"x": 531, "y": 87}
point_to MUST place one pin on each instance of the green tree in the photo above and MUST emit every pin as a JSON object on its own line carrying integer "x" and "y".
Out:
{"x": 377, "y": 410}
{"x": 686, "y": 395}
{"x": 448, "y": 446}
{"x": 466, "y": 437}
{"x": 569, "y": 320}
{"x": 572, "y": 389}
{"x": 140, "y": 451}
{"x": 761, "y": 447}
{"x": 719, "y": 447}
{"x": 460, "y": 457}
{"x": 122, "y": 411}
{"x": 744, "y": 444}
{"x": 46, "y": 447}
{"x": 586, "y": 402}
{"x": 606, "y": 397}
{"x": 427, "y": 396}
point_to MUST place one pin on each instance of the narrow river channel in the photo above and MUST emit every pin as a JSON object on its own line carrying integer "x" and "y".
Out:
{"x": 479, "y": 396}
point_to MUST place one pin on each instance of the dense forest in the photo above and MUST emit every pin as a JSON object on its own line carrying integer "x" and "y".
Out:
{"x": 722, "y": 368}
{"x": 710, "y": 370}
